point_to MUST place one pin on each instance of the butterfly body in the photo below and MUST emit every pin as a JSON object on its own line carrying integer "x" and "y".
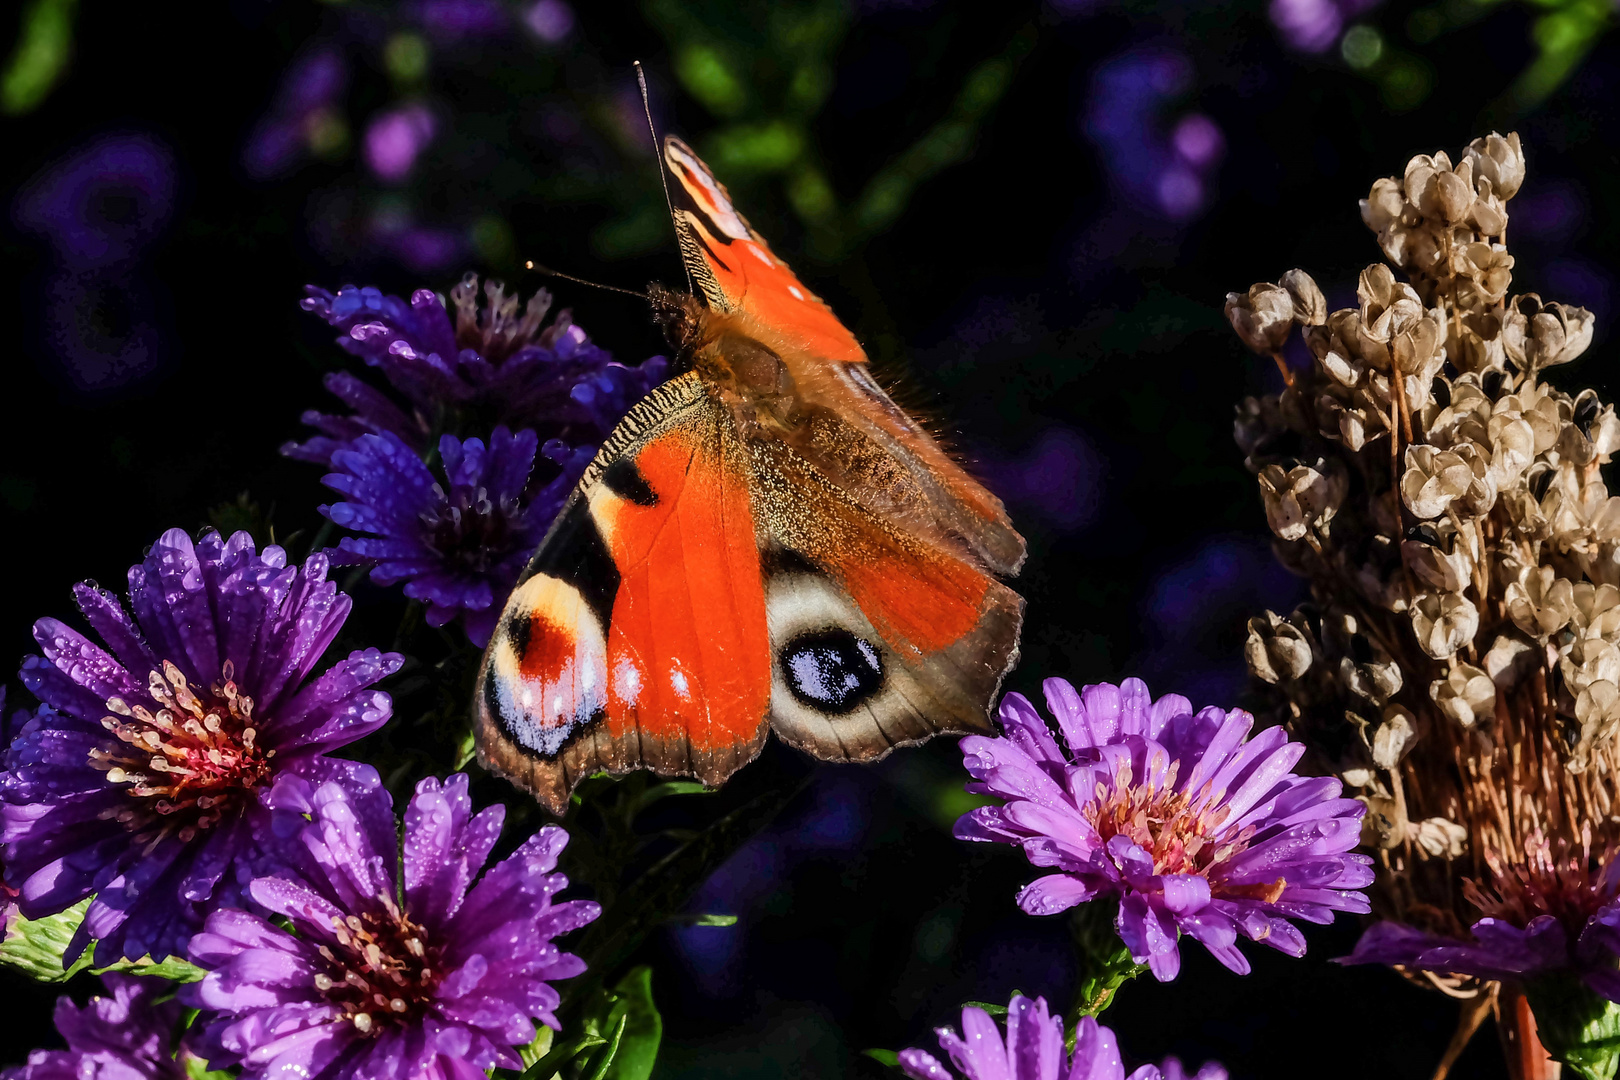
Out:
{"x": 766, "y": 540}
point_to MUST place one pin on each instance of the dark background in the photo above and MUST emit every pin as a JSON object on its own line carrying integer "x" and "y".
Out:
{"x": 1047, "y": 273}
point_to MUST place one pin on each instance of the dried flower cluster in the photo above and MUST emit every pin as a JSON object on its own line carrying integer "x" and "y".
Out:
{"x": 1460, "y": 666}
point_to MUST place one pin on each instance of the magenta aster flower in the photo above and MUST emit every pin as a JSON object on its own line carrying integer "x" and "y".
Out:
{"x": 126, "y": 1035}
{"x": 429, "y": 971}
{"x": 1194, "y": 826}
{"x": 1545, "y": 915}
{"x": 1033, "y": 1050}
{"x": 139, "y": 779}
{"x": 491, "y": 366}
{"x": 457, "y": 535}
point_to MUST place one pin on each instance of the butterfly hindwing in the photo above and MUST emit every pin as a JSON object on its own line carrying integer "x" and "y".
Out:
{"x": 637, "y": 638}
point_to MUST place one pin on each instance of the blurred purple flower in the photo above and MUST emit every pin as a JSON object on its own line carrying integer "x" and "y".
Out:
{"x": 139, "y": 779}
{"x": 1315, "y": 25}
{"x": 103, "y": 202}
{"x": 1197, "y": 609}
{"x": 459, "y": 536}
{"x": 1162, "y": 171}
{"x": 1033, "y": 1050}
{"x": 1197, "y": 828}
{"x": 1545, "y": 916}
{"x": 395, "y": 138}
{"x": 102, "y": 328}
{"x": 302, "y": 115}
{"x": 492, "y": 365}
{"x": 436, "y": 969}
{"x": 125, "y": 1035}
{"x": 451, "y": 21}
{"x": 550, "y": 20}
{"x": 1058, "y": 479}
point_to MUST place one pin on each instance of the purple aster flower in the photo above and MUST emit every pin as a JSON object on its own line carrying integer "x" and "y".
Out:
{"x": 1194, "y": 826}
{"x": 492, "y": 365}
{"x": 1544, "y": 915}
{"x": 1033, "y": 1050}
{"x": 139, "y": 778}
{"x": 439, "y": 974}
{"x": 126, "y": 1035}
{"x": 458, "y": 536}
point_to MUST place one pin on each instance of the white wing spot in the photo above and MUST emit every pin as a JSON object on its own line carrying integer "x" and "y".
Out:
{"x": 760, "y": 255}
{"x": 797, "y": 295}
{"x": 677, "y": 679}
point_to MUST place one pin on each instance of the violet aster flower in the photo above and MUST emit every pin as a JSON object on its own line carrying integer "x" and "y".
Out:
{"x": 1033, "y": 1050}
{"x": 1544, "y": 915}
{"x": 491, "y": 366}
{"x": 458, "y": 536}
{"x": 139, "y": 778}
{"x": 1194, "y": 826}
{"x": 438, "y": 975}
{"x": 126, "y": 1035}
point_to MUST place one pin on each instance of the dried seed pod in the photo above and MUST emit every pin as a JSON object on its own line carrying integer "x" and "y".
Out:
{"x": 1310, "y": 307}
{"x": 1440, "y": 837}
{"x": 1467, "y": 695}
{"x": 1263, "y": 317}
{"x": 1488, "y": 271}
{"x": 1300, "y": 499}
{"x": 1443, "y": 623}
{"x": 1595, "y": 610}
{"x": 1540, "y": 602}
{"x": 1537, "y": 335}
{"x": 1439, "y": 191}
{"x": 1277, "y": 649}
{"x": 1597, "y": 711}
{"x": 1438, "y": 557}
{"x": 1500, "y": 161}
{"x": 1435, "y": 479}
{"x": 1394, "y": 737}
{"x": 1510, "y": 658}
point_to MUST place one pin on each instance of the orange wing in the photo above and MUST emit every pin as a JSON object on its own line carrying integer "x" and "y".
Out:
{"x": 736, "y": 269}
{"x": 638, "y": 637}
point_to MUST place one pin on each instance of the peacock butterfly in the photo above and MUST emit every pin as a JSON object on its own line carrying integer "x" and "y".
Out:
{"x": 765, "y": 541}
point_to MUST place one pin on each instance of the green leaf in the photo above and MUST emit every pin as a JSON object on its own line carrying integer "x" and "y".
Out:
{"x": 628, "y": 1018}
{"x": 610, "y": 1055}
{"x": 704, "y": 920}
{"x": 994, "y": 1010}
{"x": 35, "y": 946}
{"x": 43, "y": 49}
{"x": 173, "y": 969}
{"x": 1105, "y": 962}
{"x": 197, "y": 1069}
{"x": 1576, "y": 1026}
{"x": 561, "y": 1055}
{"x": 543, "y": 1038}
{"x": 666, "y": 789}
{"x": 883, "y": 1057}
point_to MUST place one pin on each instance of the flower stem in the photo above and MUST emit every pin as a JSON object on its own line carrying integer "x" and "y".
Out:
{"x": 1105, "y": 963}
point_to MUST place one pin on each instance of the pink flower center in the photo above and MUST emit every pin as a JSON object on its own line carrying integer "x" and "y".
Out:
{"x": 1183, "y": 835}
{"x": 189, "y": 764}
{"x": 382, "y": 970}
{"x": 1568, "y": 884}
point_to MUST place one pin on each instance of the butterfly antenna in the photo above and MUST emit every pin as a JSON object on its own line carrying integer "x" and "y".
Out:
{"x": 549, "y": 272}
{"x": 658, "y": 154}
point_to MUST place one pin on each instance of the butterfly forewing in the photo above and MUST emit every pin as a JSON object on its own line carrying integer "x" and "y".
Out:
{"x": 766, "y": 541}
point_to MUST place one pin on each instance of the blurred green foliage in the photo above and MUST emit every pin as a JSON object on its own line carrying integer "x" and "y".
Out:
{"x": 44, "y": 45}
